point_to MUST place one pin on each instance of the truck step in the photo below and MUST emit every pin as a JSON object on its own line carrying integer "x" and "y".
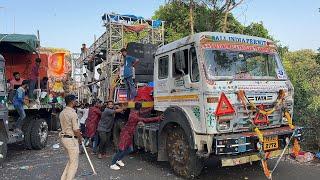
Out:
{"x": 15, "y": 137}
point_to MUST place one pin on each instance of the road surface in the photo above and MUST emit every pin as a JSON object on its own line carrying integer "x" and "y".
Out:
{"x": 49, "y": 164}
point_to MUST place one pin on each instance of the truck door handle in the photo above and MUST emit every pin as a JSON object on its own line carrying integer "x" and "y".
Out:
{"x": 173, "y": 90}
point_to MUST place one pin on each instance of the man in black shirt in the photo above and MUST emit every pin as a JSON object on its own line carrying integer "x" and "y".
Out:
{"x": 105, "y": 126}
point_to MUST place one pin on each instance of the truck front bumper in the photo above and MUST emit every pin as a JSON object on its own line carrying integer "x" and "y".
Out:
{"x": 245, "y": 142}
{"x": 243, "y": 159}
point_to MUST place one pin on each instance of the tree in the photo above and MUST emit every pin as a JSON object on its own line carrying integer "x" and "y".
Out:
{"x": 222, "y": 8}
{"x": 175, "y": 13}
{"x": 304, "y": 73}
{"x": 257, "y": 29}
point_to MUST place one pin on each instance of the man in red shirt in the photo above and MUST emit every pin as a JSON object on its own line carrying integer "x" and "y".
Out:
{"x": 92, "y": 122}
{"x": 125, "y": 145}
{"x": 34, "y": 77}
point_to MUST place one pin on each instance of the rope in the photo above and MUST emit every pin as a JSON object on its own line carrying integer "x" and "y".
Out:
{"x": 285, "y": 148}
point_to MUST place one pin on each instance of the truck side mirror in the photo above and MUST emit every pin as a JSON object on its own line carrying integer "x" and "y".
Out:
{"x": 187, "y": 81}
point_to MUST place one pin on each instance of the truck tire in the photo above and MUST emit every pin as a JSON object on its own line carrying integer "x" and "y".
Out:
{"x": 3, "y": 146}
{"x": 54, "y": 123}
{"x": 26, "y": 128}
{"x": 118, "y": 125}
{"x": 181, "y": 156}
{"x": 39, "y": 134}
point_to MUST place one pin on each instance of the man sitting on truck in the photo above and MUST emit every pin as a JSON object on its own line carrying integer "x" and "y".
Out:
{"x": 129, "y": 63}
{"x": 18, "y": 102}
{"x": 16, "y": 82}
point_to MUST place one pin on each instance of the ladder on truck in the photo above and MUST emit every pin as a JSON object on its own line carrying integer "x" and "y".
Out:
{"x": 108, "y": 45}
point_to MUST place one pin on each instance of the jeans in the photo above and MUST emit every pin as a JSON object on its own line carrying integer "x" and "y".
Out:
{"x": 104, "y": 141}
{"x": 121, "y": 154}
{"x": 95, "y": 142}
{"x": 83, "y": 129}
{"x": 32, "y": 86}
{"x": 22, "y": 116}
{"x": 131, "y": 89}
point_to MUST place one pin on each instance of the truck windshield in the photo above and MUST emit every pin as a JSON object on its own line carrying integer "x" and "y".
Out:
{"x": 223, "y": 64}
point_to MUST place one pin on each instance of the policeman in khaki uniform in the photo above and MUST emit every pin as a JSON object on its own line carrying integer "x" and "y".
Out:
{"x": 70, "y": 137}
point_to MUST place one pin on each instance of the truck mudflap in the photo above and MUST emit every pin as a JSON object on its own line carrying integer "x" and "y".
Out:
{"x": 243, "y": 159}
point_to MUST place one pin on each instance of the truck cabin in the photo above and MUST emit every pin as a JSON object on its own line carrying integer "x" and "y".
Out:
{"x": 205, "y": 74}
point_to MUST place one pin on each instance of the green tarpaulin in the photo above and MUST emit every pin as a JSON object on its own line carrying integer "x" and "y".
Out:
{"x": 18, "y": 42}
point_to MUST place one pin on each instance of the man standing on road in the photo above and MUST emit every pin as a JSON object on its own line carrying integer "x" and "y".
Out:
{"x": 105, "y": 127}
{"x": 34, "y": 78}
{"x": 18, "y": 101}
{"x": 92, "y": 121}
{"x": 70, "y": 137}
{"x": 129, "y": 63}
{"x": 126, "y": 135}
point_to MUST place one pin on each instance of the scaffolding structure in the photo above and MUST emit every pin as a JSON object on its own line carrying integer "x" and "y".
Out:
{"x": 108, "y": 45}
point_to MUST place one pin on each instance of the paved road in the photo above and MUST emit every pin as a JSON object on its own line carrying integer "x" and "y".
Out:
{"x": 49, "y": 164}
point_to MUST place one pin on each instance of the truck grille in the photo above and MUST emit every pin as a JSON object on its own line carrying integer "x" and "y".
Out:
{"x": 245, "y": 116}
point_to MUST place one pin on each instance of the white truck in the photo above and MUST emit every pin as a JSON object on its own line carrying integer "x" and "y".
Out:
{"x": 219, "y": 93}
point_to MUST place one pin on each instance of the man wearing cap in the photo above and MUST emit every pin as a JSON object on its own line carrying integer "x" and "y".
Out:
{"x": 129, "y": 63}
{"x": 70, "y": 137}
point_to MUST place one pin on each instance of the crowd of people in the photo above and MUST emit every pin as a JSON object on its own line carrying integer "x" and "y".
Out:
{"x": 92, "y": 125}
{"x": 21, "y": 91}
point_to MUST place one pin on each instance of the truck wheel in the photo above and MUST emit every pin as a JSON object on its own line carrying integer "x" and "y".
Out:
{"x": 118, "y": 125}
{"x": 182, "y": 158}
{"x": 39, "y": 134}
{"x": 54, "y": 123}
{"x": 3, "y": 146}
{"x": 26, "y": 128}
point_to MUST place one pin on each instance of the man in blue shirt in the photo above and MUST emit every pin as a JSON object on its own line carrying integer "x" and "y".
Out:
{"x": 129, "y": 63}
{"x": 18, "y": 102}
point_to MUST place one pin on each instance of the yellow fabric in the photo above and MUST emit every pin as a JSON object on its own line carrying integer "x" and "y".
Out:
{"x": 288, "y": 116}
{"x": 259, "y": 134}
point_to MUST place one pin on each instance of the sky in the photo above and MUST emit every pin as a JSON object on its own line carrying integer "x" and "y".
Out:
{"x": 69, "y": 23}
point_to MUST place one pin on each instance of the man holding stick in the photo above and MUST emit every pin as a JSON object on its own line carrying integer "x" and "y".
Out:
{"x": 70, "y": 137}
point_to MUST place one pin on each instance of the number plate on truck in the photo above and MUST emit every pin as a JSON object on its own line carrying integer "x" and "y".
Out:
{"x": 270, "y": 143}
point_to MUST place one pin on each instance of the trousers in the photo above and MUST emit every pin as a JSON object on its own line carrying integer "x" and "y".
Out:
{"x": 71, "y": 146}
{"x": 131, "y": 89}
{"x": 121, "y": 154}
{"x": 104, "y": 141}
{"x": 22, "y": 116}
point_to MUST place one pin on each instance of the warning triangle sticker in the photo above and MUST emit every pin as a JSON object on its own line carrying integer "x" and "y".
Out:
{"x": 261, "y": 118}
{"x": 224, "y": 106}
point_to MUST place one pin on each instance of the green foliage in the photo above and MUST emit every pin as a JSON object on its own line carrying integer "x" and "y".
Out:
{"x": 257, "y": 29}
{"x": 177, "y": 25}
{"x": 304, "y": 72}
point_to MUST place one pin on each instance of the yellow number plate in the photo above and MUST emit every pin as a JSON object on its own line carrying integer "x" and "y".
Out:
{"x": 270, "y": 143}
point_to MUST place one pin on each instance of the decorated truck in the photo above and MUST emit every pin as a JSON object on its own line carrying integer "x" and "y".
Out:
{"x": 223, "y": 95}
{"x": 18, "y": 54}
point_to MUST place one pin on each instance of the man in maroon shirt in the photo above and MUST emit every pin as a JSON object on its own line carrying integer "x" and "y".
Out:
{"x": 34, "y": 77}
